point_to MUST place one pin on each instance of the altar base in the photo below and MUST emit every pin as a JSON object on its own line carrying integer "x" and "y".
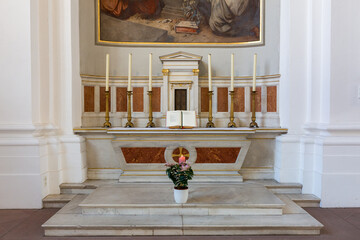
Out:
{"x": 212, "y": 209}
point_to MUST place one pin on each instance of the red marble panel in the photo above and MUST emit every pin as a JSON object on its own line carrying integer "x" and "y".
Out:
{"x": 89, "y": 96}
{"x": 204, "y": 99}
{"x": 121, "y": 99}
{"x": 239, "y": 99}
{"x": 222, "y": 99}
{"x": 138, "y": 99}
{"x": 103, "y": 100}
{"x": 217, "y": 155}
{"x": 271, "y": 99}
{"x": 257, "y": 100}
{"x": 144, "y": 155}
{"x": 156, "y": 99}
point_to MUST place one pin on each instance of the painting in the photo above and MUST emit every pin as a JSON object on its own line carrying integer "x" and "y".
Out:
{"x": 180, "y": 22}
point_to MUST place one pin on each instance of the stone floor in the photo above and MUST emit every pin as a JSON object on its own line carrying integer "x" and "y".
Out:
{"x": 26, "y": 224}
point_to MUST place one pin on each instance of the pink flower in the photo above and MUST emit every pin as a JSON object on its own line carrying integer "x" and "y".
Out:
{"x": 185, "y": 167}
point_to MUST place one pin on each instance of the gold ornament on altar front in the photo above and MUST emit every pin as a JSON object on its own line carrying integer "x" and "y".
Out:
{"x": 178, "y": 152}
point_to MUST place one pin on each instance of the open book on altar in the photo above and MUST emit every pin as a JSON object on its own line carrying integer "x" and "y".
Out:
{"x": 181, "y": 119}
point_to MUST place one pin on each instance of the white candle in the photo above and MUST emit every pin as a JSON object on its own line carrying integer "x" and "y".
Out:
{"x": 129, "y": 76}
{"x": 209, "y": 68}
{"x": 254, "y": 74}
{"x": 107, "y": 72}
{"x": 150, "y": 72}
{"x": 232, "y": 73}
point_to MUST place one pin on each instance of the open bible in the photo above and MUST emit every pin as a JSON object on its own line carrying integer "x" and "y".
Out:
{"x": 181, "y": 119}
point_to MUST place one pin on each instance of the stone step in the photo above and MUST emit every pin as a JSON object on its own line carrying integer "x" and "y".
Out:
{"x": 305, "y": 200}
{"x": 90, "y": 185}
{"x": 69, "y": 221}
{"x": 204, "y": 199}
{"x": 130, "y": 225}
{"x": 57, "y": 200}
{"x": 280, "y": 188}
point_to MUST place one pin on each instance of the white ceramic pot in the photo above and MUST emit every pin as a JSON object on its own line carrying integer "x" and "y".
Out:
{"x": 181, "y": 196}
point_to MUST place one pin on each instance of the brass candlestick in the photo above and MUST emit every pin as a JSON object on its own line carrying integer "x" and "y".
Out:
{"x": 107, "y": 123}
{"x": 150, "y": 124}
{"x": 129, "y": 124}
{"x": 232, "y": 124}
{"x": 253, "y": 123}
{"x": 210, "y": 123}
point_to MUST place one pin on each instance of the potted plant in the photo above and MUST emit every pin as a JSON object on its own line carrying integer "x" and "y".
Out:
{"x": 180, "y": 173}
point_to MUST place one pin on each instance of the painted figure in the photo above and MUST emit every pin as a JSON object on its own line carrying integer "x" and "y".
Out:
{"x": 231, "y": 17}
{"x": 126, "y": 8}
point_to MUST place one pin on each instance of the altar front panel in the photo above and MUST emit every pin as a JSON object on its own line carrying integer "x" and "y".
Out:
{"x": 110, "y": 153}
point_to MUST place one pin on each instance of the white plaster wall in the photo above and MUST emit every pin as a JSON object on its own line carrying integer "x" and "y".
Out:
{"x": 320, "y": 78}
{"x": 93, "y": 56}
{"x": 40, "y": 81}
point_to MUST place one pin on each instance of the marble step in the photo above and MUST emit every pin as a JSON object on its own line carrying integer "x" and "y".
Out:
{"x": 305, "y": 200}
{"x": 204, "y": 199}
{"x": 199, "y": 177}
{"x": 57, "y": 200}
{"x": 89, "y": 186}
{"x": 130, "y": 225}
{"x": 69, "y": 221}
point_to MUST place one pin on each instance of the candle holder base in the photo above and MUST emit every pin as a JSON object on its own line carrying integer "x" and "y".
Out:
{"x": 254, "y": 125}
{"x": 150, "y": 124}
{"x": 129, "y": 125}
{"x": 107, "y": 125}
{"x": 210, "y": 125}
{"x": 232, "y": 125}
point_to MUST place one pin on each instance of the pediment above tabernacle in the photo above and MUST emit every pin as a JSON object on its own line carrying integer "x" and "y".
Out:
{"x": 181, "y": 56}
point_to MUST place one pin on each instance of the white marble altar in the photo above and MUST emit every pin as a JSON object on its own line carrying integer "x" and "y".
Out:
{"x": 106, "y": 158}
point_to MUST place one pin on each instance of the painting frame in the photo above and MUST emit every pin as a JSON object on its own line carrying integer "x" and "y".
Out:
{"x": 99, "y": 41}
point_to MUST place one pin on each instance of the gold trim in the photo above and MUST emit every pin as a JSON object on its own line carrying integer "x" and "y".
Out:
{"x": 160, "y": 140}
{"x": 149, "y": 44}
{"x": 201, "y": 78}
{"x": 182, "y": 131}
{"x": 99, "y": 138}
{"x": 90, "y": 129}
{"x": 158, "y": 175}
{"x": 196, "y": 72}
{"x": 169, "y": 135}
{"x": 165, "y": 72}
{"x": 200, "y": 170}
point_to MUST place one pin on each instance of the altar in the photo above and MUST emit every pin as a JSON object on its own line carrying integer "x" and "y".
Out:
{"x": 137, "y": 155}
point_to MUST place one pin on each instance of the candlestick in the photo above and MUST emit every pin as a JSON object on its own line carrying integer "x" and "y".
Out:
{"x": 150, "y": 124}
{"x": 210, "y": 123}
{"x": 150, "y": 72}
{"x": 254, "y": 73}
{"x": 232, "y": 124}
{"x": 107, "y": 72}
{"x": 232, "y": 73}
{"x": 129, "y": 124}
{"x": 129, "y": 72}
{"x": 253, "y": 123}
{"x": 210, "y": 75}
{"x": 107, "y": 123}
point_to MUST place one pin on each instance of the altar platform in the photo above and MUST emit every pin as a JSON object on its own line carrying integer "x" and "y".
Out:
{"x": 122, "y": 209}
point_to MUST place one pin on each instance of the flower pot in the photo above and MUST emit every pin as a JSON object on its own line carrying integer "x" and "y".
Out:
{"x": 181, "y": 195}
